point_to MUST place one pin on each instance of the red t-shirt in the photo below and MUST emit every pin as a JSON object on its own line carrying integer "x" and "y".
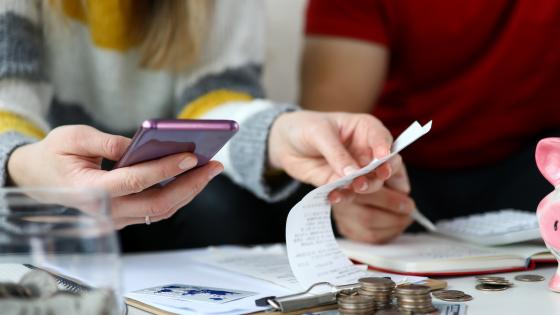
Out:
{"x": 487, "y": 72}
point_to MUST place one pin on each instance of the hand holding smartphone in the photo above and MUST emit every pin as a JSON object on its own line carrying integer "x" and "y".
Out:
{"x": 157, "y": 138}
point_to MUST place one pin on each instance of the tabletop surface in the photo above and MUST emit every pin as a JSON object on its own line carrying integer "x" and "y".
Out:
{"x": 523, "y": 298}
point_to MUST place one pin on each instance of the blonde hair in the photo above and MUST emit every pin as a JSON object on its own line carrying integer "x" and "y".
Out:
{"x": 174, "y": 33}
{"x": 169, "y": 34}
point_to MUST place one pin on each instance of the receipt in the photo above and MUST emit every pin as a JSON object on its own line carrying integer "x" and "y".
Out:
{"x": 313, "y": 252}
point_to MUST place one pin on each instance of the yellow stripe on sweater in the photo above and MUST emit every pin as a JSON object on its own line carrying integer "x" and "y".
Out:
{"x": 211, "y": 100}
{"x": 13, "y": 122}
{"x": 113, "y": 24}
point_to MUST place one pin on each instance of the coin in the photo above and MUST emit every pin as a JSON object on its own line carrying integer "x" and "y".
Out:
{"x": 489, "y": 287}
{"x": 448, "y": 293}
{"x": 490, "y": 278}
{"x": 529, "y": 278}
{"x": 463, "y": 298}
{"x": 412, "y": 289}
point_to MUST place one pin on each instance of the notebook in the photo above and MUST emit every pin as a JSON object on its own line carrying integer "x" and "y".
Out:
{"x": 432, "y": 255}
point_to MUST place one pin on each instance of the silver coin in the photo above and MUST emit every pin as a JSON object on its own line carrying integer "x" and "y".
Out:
{"x": 463, "y": 298}
{"x": 529, "y": 278}
{"x": 486, "y": 287}
{"x": 448, "y": 293}
{"x": 490, "y": 277}
{"x": 376, "y": 281}
{"x": 506, "y": 283}
{"x": 412, "y": 289}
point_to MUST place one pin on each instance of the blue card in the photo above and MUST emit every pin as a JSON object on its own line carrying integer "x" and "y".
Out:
{"x": 186, "y": 292}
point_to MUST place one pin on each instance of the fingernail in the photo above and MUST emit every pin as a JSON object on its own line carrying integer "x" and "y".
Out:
{"x": 364, "y": 160}
{"x": 404, "y": 207}
{"x": 336, "y": 200}
{"x": 349, "y": 170}
{"x": 380, "y": 152}
{"x": 215, "y": 172}
{"x": 187, "y": 163}
{"x": 364, "y": 186}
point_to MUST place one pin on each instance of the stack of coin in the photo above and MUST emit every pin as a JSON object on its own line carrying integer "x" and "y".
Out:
{"x": 355, "y": 305}
{"x": 378, "y": 289}
{"x": 492, "y": 283}
{"x": 452, "y": 295}
{"x": 415, "y": 298}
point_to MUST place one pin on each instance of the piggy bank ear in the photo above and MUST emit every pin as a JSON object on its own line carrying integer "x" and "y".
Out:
{"x": 548, "y": 159}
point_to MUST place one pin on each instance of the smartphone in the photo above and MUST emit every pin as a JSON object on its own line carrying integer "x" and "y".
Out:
{"x": 157, "y": 138}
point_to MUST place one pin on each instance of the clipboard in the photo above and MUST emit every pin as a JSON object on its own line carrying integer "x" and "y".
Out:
{"x": 299, "y": 303}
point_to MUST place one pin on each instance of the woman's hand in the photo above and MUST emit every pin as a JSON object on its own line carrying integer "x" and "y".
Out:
{"x": 318, "y": 148}
{"x": 71, "y": 156}
{"x": 380, "y": 216}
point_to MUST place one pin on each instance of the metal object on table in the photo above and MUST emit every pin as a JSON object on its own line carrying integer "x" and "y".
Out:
{"x": 378, "y": 289}
{"x": 529, "y": 278}
{"x": 415, "y": 298}
{"x": 355, "y": 304}
{"x": 452, "y": 295}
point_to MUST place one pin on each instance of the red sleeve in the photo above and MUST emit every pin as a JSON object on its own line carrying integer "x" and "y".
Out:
{"x": 358, "y": 19}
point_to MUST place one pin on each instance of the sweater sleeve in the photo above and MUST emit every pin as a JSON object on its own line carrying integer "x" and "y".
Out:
{"x": 24, "y": 92}
{"x": 226, "y": 84}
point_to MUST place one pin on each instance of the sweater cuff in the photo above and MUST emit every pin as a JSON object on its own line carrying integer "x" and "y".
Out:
{"x": 10, "y": 141}
{"x": 249, "y": 155}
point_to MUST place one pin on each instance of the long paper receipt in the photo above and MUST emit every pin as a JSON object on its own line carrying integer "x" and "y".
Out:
{"x": 313, "y": 252}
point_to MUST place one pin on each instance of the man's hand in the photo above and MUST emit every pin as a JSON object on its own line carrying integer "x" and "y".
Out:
{"x": 378, "y": 217}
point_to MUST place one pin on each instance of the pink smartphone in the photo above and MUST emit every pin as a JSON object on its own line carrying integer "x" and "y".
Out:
{"x": 157, "y": 138}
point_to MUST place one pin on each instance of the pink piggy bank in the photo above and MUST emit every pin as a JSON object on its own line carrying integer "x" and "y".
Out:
{"x": 548, "y": 212}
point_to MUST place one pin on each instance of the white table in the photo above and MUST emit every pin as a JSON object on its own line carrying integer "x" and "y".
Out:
{"x": 532, "y": 298}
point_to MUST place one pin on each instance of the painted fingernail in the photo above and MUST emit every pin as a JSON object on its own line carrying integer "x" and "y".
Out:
{"x": 349, "y": 170}
{"x": 187, "y": 163}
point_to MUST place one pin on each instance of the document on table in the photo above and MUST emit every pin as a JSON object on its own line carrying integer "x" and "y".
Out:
{"x": 270, "y": 264}
{"x": 313, "y": 251}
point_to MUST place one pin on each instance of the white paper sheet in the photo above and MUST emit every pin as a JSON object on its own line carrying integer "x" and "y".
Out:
{"x": 149, "y": 270}
{"x": 271, "y": 263}
{"x": 313, "y": 252}
{"x": 268, "y": 263}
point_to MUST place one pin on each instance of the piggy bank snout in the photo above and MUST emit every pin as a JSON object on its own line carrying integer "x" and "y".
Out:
{"x": 548, "y": 159}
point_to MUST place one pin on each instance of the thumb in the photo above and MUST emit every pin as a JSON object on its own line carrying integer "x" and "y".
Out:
{"x": 333, "y": 150}
{"x": 91, "y": 142}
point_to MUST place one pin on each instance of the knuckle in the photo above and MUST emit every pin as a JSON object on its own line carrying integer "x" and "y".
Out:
{"x": 157, "y": 208}
{"x": 133, "y": 183}
{"x": 112, "y": 146}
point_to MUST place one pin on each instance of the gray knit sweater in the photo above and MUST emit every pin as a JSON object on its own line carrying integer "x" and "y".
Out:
{"x": 62, "y": 66}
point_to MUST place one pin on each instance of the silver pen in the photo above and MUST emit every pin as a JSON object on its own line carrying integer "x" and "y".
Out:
{"x": 422, "y": 220}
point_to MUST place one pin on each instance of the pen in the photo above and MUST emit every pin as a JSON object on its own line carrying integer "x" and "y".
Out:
{"x": 420, "y": 218}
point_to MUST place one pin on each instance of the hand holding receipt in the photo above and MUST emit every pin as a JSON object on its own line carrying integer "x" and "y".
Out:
{"x": 313, "y": 252}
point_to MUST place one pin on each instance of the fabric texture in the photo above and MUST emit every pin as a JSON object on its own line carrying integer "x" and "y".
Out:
{"x": 94, "y": 77}
{"x": 9, "y": 141}
{"x": 249, "y": 153}
{"x": 488, "y": 81}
